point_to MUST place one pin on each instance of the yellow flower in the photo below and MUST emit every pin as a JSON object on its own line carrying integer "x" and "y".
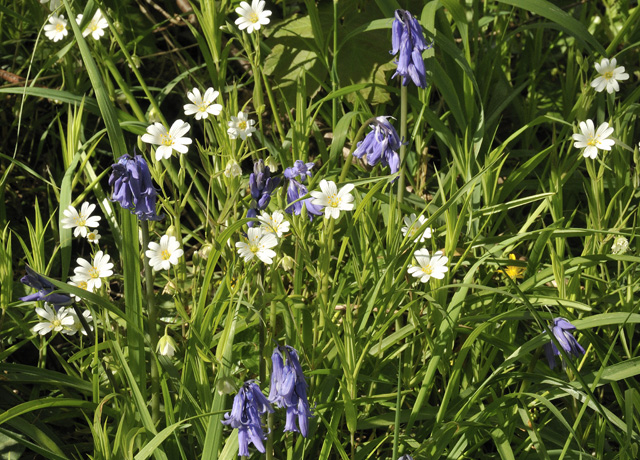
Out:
{"x": 513, "y": 271}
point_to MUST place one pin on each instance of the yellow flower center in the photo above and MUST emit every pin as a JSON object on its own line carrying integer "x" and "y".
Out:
{"x": 427, "y": 270}
{"x": 82, "y": 285}
{"x": 59, "y": 27}
{"x": 608, "y": 75}
{"x": 242, "y": 125}
{"x": 253, "y": 17}
{"x": 94, "y": 273}
{"x": 165, "y": 255}
{"x": 202, "y": 107}
{"x": 254, "y": 248}
{"x": 593, "y": 141}
{"x": 166, "y": 139}
{"x": 334, "y": 201}
{"x": 56, "y": 323}
{"x": 80, "y": 221}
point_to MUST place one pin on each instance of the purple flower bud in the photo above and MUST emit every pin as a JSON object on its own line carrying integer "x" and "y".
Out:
{"x": 381, "y": 145}
{"x": 133, "y": 187}
{"x": 261, "y": 185}
{"x": 45, "y": 290}
{"x": 408, "y": 41}
{"x": 567, "y": 341}
{"x": 297, "y": 190}
{"x": 248, "y": 406}
{"x": 289, "y": 389}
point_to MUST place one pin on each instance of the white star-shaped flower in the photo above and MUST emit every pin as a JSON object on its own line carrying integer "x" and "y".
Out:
{"x": 240, "y": 126}
{"x": 333, "y": 200}
{"x": 79, "y": 221}
{"x": 609, "y": 76}
{"x": 591, "y": 140}
{"x": 203, "y": 105}
{"x": 77, "y": 325}
{"x": 93, "y": 236}
{"x": 81, "y": 282}
{"x": 57, "y": 28}
{"x": 56, "y": 321}
{"x": 412, "y": 225}
{"x": 253, "y": 16}
{"x": 274, "y": 223}
{"x": 164, "y": 254}
{"x": 93, "y": 272}
{"x": 96, "y": 26}
{"x": 168, "y": 140}
{"x": 428, "y": 266}
{"x": 258, "y": 245}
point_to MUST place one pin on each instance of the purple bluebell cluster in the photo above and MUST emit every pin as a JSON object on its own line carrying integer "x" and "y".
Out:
{"x": 407, "y": 39}
{"x": 289, "y": 389}
{"x": 566, "y": 340}
{"x": 381, "y": 145}
{"x": 262, "y": 186}
{"x": 133, "y": 187}
{"x": 248, "y": 406}
{"x": 45, "y": 290}
{"x": 296, "y": 175}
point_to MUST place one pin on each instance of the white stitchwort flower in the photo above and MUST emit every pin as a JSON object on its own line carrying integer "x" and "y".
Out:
{"x": 202, "y": 105}
{"x": 274, "y": 223}
{"x": 240, "y": 126}
{"x": 258, "y": 245}
{"x": 53, "y": 4}
{"x": 96, "y": 26}
{"x": 77, "y": 325}
{"x": 232, "y": 169}
{"x": 591, "y": 140}
{"x": 429, "y": 266}
{"x": 253, "y": 16}
{"x": 57, "y": 27}
{"x": 81, "y": 282}
{"x": 168, "y": 140}
{"x": 609, "y": 76}
{"x": 93, "y": 272}
{"x": 79, "y": 221}
{"x": 164, "y": 254}
{"x": 412, "y": 225}
{"x": 333, "y": 200}
{"x": 55, "y": 321}
{"x": 93, "y": 236}
{"x": 620, "y": 245}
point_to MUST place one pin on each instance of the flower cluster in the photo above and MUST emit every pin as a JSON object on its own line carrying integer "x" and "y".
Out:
{"x": 408, "y": 41}
{"x": 133, "y": 187}
{"x": 81, "y": 221}
{"x": 297, "y": 175}
{"x": 289, "y": 389}
{"x": 56, "y": 30}
{"x": 262, "y": 186}
{"x": 248, "y": 405}
{"x": 64, "y": 320}
{"x": 381, "y": 145}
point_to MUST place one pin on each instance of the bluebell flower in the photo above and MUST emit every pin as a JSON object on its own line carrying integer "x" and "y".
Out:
{"x": 262, "y": 186}
{"x": 133, "y": 187}
{"x": 566, "y": 340}
{"x": 45, "y": 290}
{"x": 381, "y": 145}
{"x": 296, "y": 175}
{"x": 289, "y": 389}
{"x": 407, "y": 39}
{"x": 248, "y": 406}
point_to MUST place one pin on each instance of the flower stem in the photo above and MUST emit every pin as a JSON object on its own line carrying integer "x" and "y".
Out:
{"x": 403, "y": 140}
{"x": 153, "y": 331}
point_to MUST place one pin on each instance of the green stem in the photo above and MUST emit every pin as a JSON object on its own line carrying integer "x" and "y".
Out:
{"x": 153, "y": 331}
{"x": 403, "y": 138}
{"x": 396, "y": 430}
{"x": 272, "y": 324}
{"x": 354, "y": 145}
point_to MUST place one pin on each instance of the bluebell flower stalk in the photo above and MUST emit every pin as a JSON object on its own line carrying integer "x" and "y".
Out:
{"x": 567, "y": 341}
{"x": 289, "y": 389}
{"x": 44, "y": 290}
{"x": 381, "y": 145}
{"x": 262, "y": 186}
{"x": 407, "y": 41}
{"x": 133, "y": 187}
{"x": 296, "y": 175}
{"x": 248, "y": 407}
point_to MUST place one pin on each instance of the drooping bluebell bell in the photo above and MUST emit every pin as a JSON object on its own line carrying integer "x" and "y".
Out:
{"x": 407, "y": 39}
{"x": 248, "y": 405}
{"x": 133, "y": 187}
{"x": 45, "y": 290}
{"x": 289, "y": 389}
{"x": 566, "y": 340}
{"x": 262, "y": 186}
{"x": 296, "y": 175}
{"x": 381, "y": 145}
